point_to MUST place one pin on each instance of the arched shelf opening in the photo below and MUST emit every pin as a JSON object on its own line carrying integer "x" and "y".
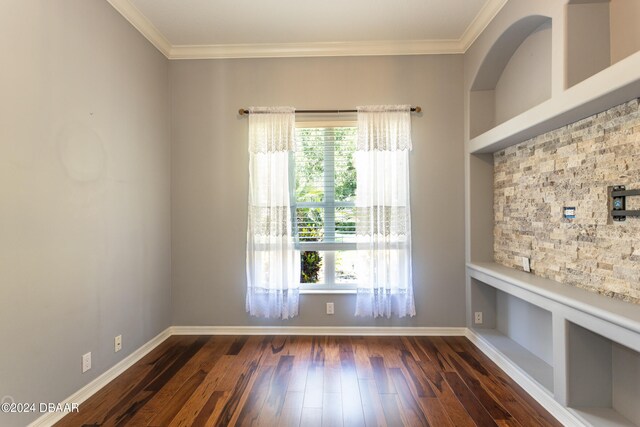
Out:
{"x": 514, "y": 76}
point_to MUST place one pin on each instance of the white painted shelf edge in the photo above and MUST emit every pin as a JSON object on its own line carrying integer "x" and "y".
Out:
{"x": 610, "y": 87}
{"x": 624, "y": 314}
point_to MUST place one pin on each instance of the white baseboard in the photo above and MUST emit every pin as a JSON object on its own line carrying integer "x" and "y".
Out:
{"x": 94, "y": 386}
{"x": 317, "y": 330}
{"x": 536, "y": 391}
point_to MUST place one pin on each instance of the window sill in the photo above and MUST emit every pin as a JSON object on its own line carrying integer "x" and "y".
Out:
{"x": 327, "y": 291}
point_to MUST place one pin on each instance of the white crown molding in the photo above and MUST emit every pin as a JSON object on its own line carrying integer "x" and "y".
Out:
{"x": 296, "y": 50}
{"x": 142, "y": 24}
{"x": 561, "y": 413}
{"x": 480, "y": 22}
{"x": 50, "y": 418}
{"x": 317, "y": 330}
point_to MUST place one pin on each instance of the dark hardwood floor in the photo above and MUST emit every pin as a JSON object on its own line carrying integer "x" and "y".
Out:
{"x": 312, "y": 381}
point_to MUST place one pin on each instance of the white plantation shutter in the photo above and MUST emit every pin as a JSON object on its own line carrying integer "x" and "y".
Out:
{"x": 324, "y": 194}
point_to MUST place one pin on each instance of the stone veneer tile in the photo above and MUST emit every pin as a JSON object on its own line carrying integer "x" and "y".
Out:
{"x": 572, "y": 166}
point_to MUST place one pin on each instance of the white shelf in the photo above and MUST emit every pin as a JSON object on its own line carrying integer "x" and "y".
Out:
{"x": 616, "y": 312}
{"x": 612, "y": 86}
{"x": 602, "y": 417}
{"x": 536, "y": 368}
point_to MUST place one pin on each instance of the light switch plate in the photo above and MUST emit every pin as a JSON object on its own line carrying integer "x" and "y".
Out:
{"x": 526, "y": 265}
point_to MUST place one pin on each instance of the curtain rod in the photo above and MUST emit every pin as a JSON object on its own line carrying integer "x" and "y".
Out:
{"x": 242, "y": 111}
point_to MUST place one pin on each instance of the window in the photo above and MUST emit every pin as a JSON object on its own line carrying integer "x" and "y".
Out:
{"x": 324, "y": 177}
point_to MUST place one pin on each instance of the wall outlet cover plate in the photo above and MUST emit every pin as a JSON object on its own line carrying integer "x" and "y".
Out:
{"x": 526, "y": 265}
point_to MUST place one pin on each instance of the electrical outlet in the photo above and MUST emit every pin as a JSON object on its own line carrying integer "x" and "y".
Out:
{"x": 330, "y": 308}
{"x": 477, "y": 317}
{"x": 86, "y": 362}
{"x": 118, "y": 343}
{"x": 526, "y": 265}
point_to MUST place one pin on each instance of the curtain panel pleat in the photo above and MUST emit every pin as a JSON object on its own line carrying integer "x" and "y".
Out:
{"x": 273, "y": 264}
{"x": 383, "y": 218}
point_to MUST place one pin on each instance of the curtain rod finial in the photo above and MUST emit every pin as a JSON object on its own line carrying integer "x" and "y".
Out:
{"x": 242, "y": 111}
{"x": 418, "y": 109}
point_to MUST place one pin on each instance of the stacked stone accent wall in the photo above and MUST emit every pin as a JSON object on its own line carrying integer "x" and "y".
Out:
{"x": 573, "y": 166}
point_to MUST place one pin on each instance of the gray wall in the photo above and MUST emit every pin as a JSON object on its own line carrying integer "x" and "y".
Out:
{"x": 526, "y": 80}
{"x": 526, "y": 324}
{"x": 210, "y": 177}
{"x": 84, "y": 195}
{"x": 625, "y": 32}
{"x": 588, "y": 40}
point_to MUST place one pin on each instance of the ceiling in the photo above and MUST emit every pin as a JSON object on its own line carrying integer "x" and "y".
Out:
{"x": 184, "y": 29}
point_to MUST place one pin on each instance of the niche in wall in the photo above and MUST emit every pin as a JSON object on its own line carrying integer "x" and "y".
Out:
{"x": 599, "y": 34}
{"x": 520, "y": 330}
{"x": 514, "y": 76}
{"x": 604, "y": 379}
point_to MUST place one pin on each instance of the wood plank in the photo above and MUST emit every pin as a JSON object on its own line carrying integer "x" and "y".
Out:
{"x": 417, "y": 378}
{"x": 332, "y": 375}
{"x": 371, "y": 404}
{"x": 251, "y": 410}
{"x": 298, "y": 377}
{"x": 168, "y": 412}
{"x": 522, "y": 406}
{"x": 352, "y": 413}
{"x": 202, "y": 403}
{"x": 361, "y": 353}
{"x": 478, "y": 413}
{"x": 332, "y": 410}
{"x": 277, "y": 393}
{"x": 392, "y": 412}
{"x": 315, "y": 386}
{"x": 291, "y": 413}
{"x": 410, "y": 407}
{"x": 203, "y": 360}
{"x": 311, "y": 417}
{"x": 491, "y": 404}
{"x": 383, "y": 382}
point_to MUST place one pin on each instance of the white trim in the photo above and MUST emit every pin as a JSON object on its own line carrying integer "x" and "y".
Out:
{"x": 143, "y": 25}
{"x": 560, "y": 412}
{"x": 94, "y": 386}
{"x": 349, "y": 291}
{"x": 480, "y": 22}
{"x": 318, "y": 49}
{"x": 317, "y": 330}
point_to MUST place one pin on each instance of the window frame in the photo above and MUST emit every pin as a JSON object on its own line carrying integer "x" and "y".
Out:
{"x": 329, "y": 202}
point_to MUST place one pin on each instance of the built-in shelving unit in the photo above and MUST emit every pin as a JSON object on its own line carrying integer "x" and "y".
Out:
{"x": 575, "y": 351}
{"x": 594, "y": 342}
{"x": 612, "y": 86}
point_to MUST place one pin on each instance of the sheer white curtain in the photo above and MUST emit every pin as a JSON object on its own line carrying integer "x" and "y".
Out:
{"x": 383, "y": 220}
{"x": 273, "y": 264}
